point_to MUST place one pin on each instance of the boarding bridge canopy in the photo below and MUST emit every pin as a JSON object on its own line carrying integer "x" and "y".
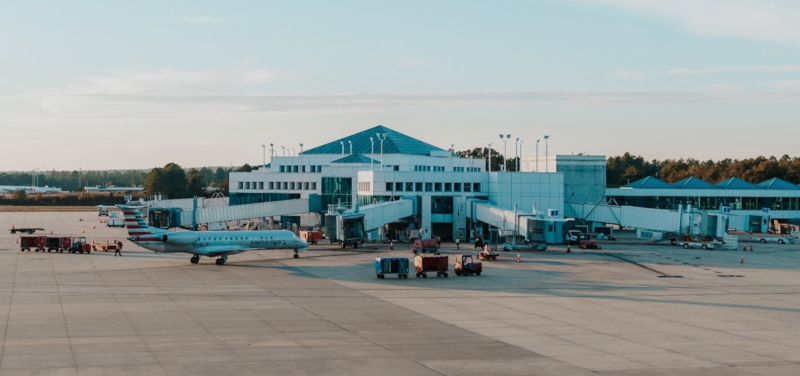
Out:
{"x": 377, "y": 215}
{"x": 637, "y": 217}
{"x": 239, "y": 212}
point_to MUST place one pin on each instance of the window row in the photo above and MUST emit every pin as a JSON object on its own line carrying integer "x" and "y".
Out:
{"x": 277, "y": 185}
{"x": 466, "y": 169}
{"x": 429, "y": 168}
{"x": 432, "y": 187}
{"x": 297, "y": 168}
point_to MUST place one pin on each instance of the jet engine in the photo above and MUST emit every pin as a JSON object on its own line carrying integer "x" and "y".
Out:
{"x": 180, "y": 238}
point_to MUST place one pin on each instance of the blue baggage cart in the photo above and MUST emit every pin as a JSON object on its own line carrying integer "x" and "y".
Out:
{"x": 391, "y": 265}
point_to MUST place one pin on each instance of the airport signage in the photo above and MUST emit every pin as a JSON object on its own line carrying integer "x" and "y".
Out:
{"x": 552, "y": 212}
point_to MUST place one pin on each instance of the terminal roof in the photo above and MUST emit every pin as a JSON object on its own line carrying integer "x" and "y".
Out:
{"x": 736, "y": 183}
{"x": 776, "y": 183}
{"x": 694, "y": 183}
{"x": 355, "y": 158}
{"x": 395, "y": 143}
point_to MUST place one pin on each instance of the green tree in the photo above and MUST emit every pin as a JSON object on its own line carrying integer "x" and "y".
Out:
{"x": 195, "y": 183}
{"x": 169, "y": 181}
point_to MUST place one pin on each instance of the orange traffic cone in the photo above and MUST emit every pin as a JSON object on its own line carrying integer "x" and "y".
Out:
{"x": 518, "y": 259}
{"x": 17, "y": 240}
{"x": 744, "y": 248}
{"x": 391, "y": 245}
{"x": 92, "y": 240}
{"x": 83, "y": 231}
{"x": 51, "y": 232}
{"x": 741, "y": 261}
{"x": 751, "y": 248}
{"x": 92, "y": 226}
{"x": 568, "y": 250}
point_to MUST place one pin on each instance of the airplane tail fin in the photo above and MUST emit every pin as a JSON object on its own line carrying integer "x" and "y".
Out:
{"x": 138, "y": 230}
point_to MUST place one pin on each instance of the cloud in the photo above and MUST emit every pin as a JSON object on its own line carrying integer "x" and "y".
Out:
{"x": 772, "y": 21}
{"x": 756, "y": 68}
{"x": 631, "y": 75}
{"x": 790, "y": 85}
{"x": 199, "y": 19}
{"x": 242, "y": 92}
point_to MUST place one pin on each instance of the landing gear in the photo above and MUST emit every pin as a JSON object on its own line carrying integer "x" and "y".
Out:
{"x": 195, "y": 259}
{"x": 221, "y": 260}
{"x": 295, "y": 254}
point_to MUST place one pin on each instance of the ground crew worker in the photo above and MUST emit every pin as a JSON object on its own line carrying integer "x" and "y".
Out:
{"x": 118, "y": 251}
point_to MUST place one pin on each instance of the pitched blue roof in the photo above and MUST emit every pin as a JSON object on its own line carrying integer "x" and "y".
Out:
{"x": 395, "y": 143}
{"x": 694, "y": 183}
{"x": 649, "y": 183}
{"x": 355, "y": 158}
{"x": 776, "y": 183}
{"x": 736, "y": 183}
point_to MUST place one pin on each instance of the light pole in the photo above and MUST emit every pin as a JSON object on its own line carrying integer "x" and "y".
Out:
{"x": 351, "y": 146}
{"x": 537, "y": 156}
{"x": 264, "y": 155}
{"x": 302, "y": 168}
{"x": 505, "y": 150}
{"x": 372, "y": 154}
{"x": 546, "y": 153}
{"x": 271, "y": 152}
{"x": 490, "y": 157}
{"x": 517, "y": 153}
{"x": 284, "y": 150}
{"x": 382, "y": 137}
{"x": 342, "y": 142}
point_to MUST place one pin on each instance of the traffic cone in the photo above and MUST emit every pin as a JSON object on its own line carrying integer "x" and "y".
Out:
{"x": 51, "y": 232}
{"x": 741, "y": 261}
{"x": 92, "y": 240}
{"x": 93, "y": 226}
{"x": 751, "y": 248}
{"x": 744, "y": 247}
{"x": 518, "y": 258}
{"x": 83, "y": 231}
{"x": 568, "y": 250}
{"x": 17, "y": 240}
{"x": 391, "y": 245}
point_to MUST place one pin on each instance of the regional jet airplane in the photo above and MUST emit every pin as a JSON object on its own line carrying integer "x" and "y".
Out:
{"x": 206, "y": 243}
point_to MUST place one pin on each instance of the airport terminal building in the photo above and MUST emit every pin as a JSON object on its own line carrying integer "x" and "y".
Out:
{"x": 382, "y": 165}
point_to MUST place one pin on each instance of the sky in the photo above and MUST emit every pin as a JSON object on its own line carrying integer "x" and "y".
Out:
{"x": 139, "y": 84}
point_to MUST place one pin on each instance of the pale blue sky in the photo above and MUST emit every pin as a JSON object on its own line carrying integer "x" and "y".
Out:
{"x": 208, "y": 82}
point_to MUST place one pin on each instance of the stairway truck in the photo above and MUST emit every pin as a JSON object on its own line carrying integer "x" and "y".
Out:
{"x": 437, "y": 263}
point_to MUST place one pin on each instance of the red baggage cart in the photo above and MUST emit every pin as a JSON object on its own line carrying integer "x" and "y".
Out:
{"x": 437, "y": 263}
{"x": 38, "y": 243}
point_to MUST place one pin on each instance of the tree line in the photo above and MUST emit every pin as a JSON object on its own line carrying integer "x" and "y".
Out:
{"x": 628, "y": 168}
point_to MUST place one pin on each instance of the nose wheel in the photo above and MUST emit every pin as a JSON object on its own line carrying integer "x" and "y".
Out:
{"x": 295, "y": 254}
{"x": 195, "y": 259}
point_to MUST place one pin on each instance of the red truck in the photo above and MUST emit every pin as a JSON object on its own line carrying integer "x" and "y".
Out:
{"x": 311, "y": 237}
{"x": 426, "y": 245}
{"x": 585, "y": 241}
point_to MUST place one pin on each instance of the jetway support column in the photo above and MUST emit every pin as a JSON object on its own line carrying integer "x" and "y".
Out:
{"x": 425, "y": 217}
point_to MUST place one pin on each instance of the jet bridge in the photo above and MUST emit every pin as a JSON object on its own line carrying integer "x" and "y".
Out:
{"x": 366, "y": 220}
{"x": 183, "y": 217}
{"x": 645, "y": 219}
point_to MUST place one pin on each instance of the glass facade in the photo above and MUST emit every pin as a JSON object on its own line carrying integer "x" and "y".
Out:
{"x": 710, "y": 203}
{"x": 254, "y": 198}
{"x": 334, "y": 190}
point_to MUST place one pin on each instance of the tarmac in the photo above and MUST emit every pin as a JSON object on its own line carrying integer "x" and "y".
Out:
{"x": 629, "y": 308}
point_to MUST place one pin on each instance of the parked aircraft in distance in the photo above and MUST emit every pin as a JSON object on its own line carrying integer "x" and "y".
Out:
{"x": 206, "y": 243}
{"x": 27, "y": 189}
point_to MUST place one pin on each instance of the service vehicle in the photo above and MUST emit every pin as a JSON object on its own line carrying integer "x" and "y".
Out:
{"x": 487, "y": 255}
{"x": 311, "y": 237}
{"x": 425, "y": 245}
{"x": 25, "y": 230}
{"x": 465, "y": 266}
{"x": 585, "y": 241}
{"x": 772, "y": 239}
{"x": 114, "y": 220}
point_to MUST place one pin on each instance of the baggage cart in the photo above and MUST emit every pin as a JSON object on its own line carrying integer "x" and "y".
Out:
{"x": 391, "y": 265}
{"x": 465, "y": 266}
{"x": 38, "y": 243}
{"x": 52, "y": 243}
{"x": 79, "y": 245}
{"x": 436, "y": 263}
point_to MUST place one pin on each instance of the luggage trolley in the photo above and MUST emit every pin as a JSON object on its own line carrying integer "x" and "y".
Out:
{"x": 438, "y": 264}
{"x": 391, "y": 265}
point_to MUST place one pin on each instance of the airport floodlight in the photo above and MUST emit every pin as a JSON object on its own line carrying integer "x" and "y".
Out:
{"x": 381, "y": 137}
{"x": 505, "y": 150}
{"x": 351, "y": 146}
{"x": 342, "y": 142}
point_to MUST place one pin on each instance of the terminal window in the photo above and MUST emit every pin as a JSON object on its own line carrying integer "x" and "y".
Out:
{"x": 271, "y": 185}
{"x": 476, "y": 187}
{"x": 389, "y": 186}
{"x": 409, "y": 187}
{"x": 419, "y": 187}
{"x": 457, "y": 187}
{"x": 398, "y": 186}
